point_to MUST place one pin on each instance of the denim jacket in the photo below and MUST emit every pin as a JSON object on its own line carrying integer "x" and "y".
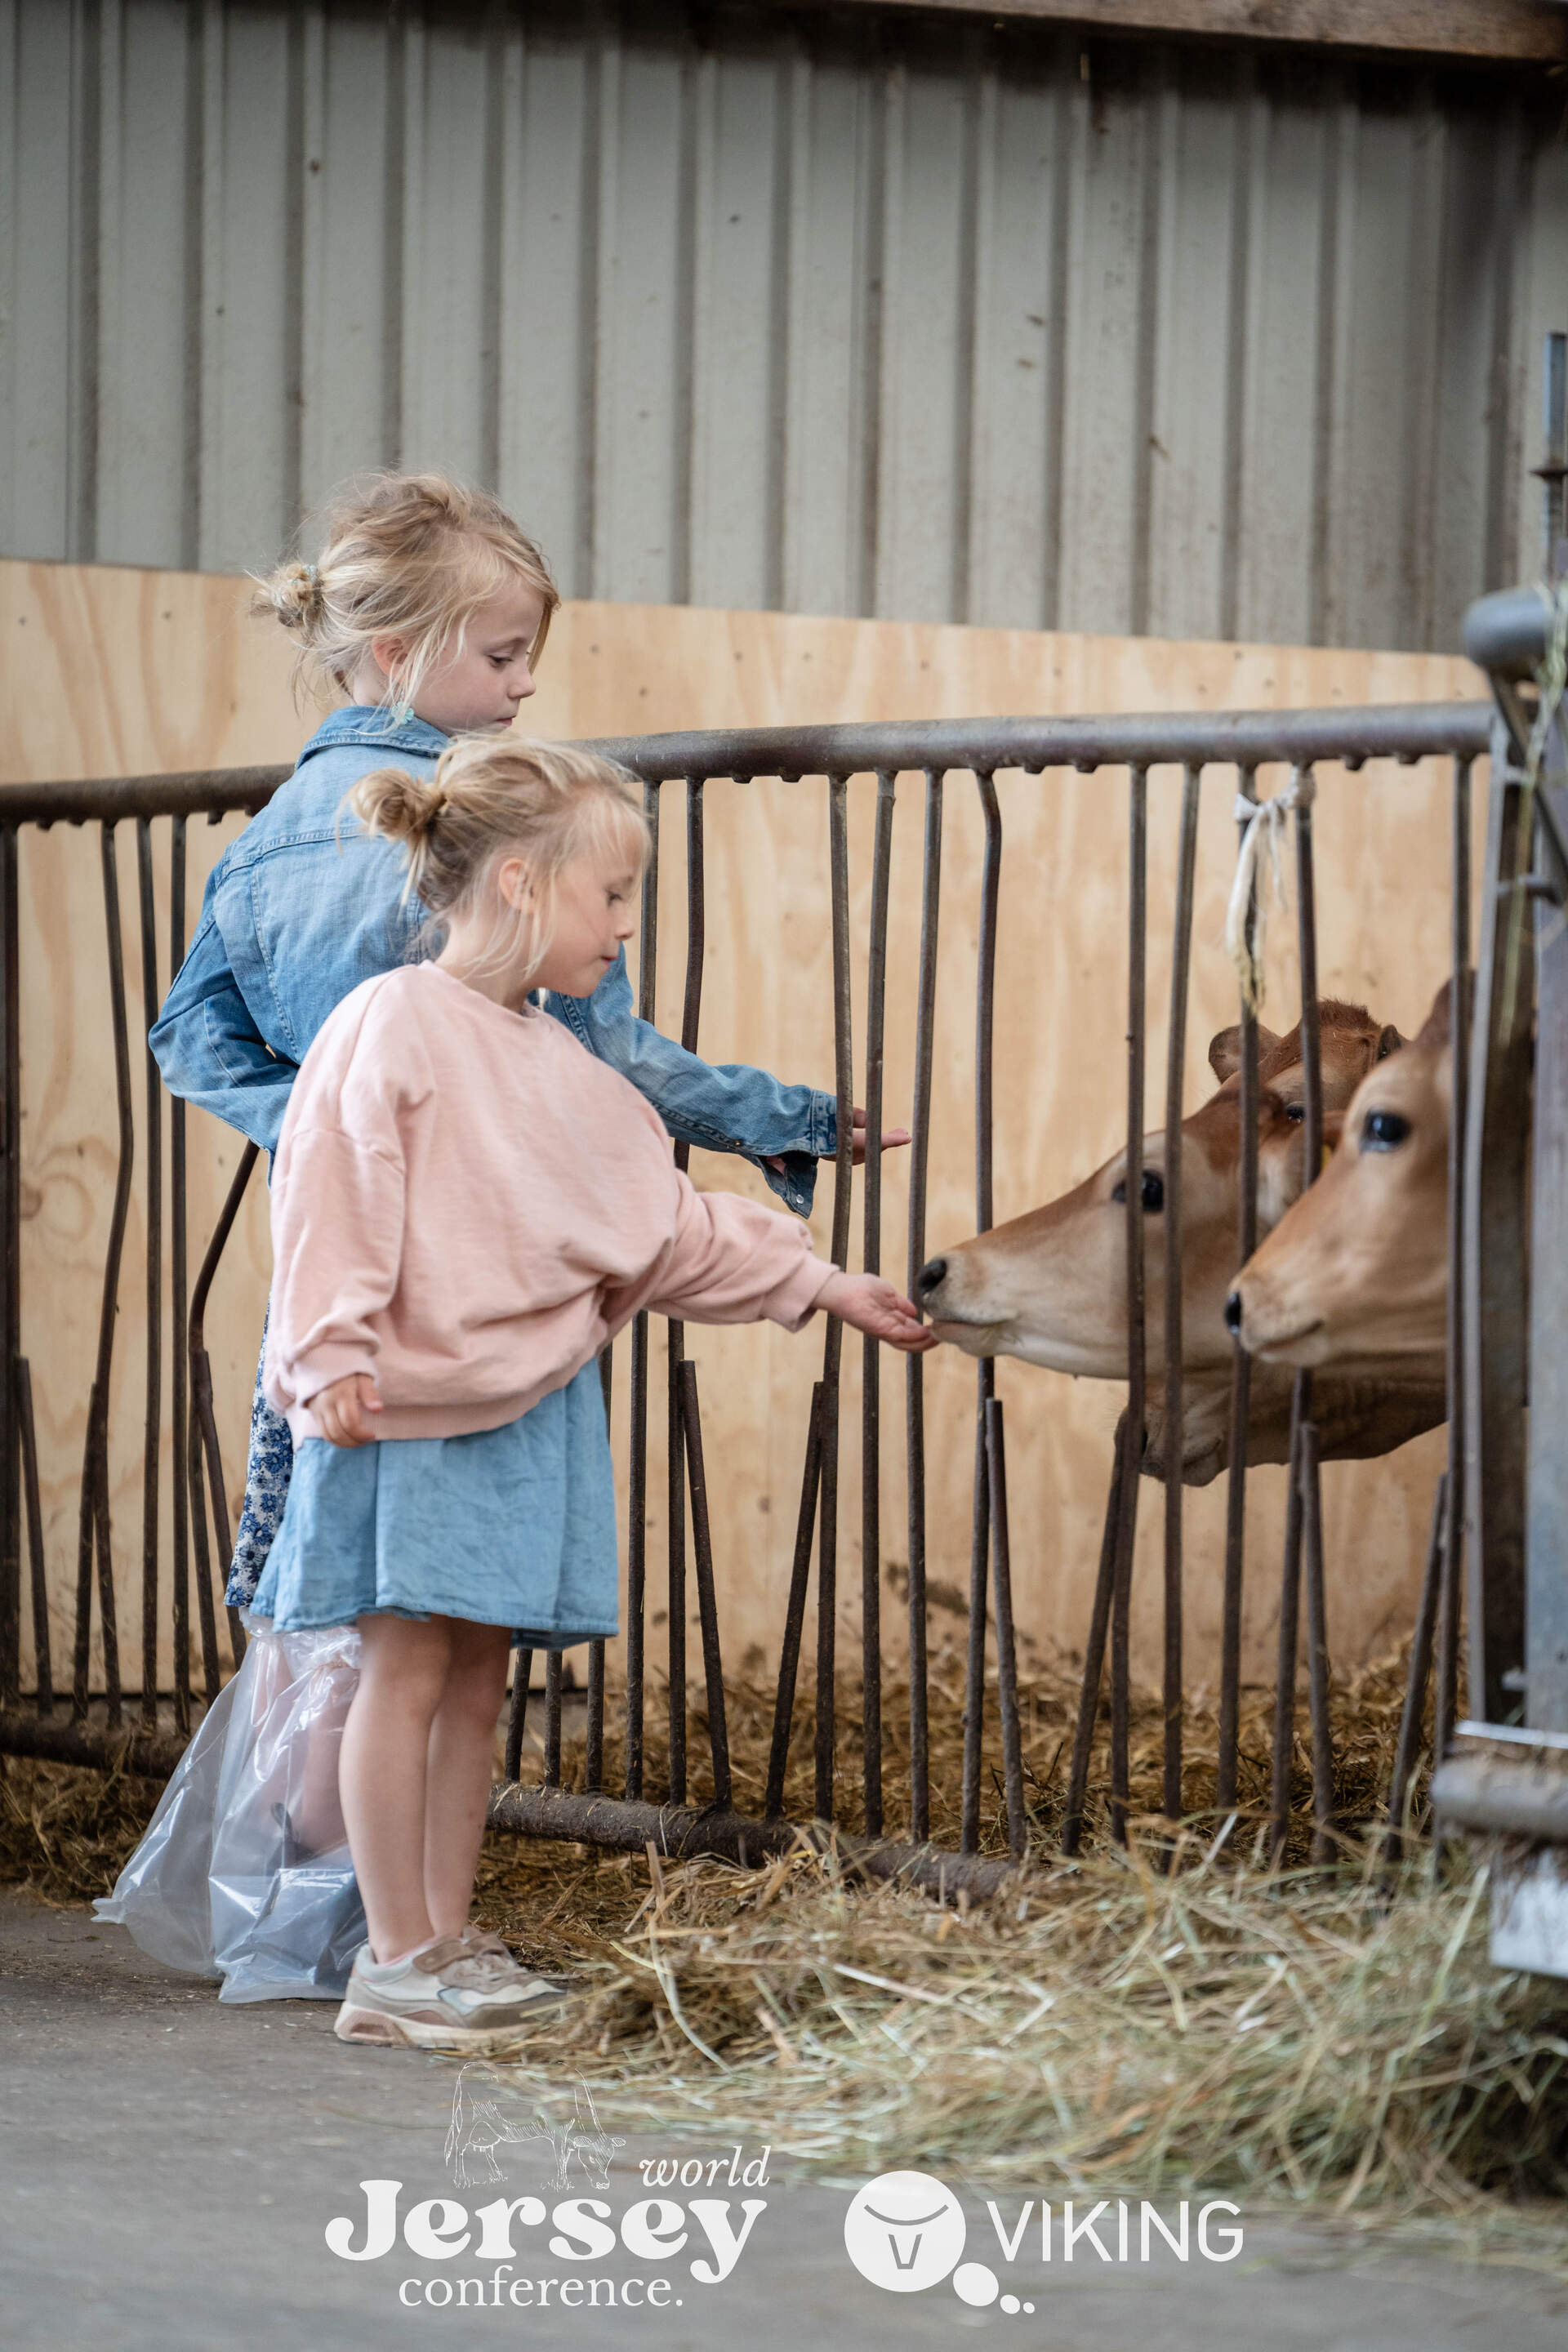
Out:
{"x": 306, "y": 904}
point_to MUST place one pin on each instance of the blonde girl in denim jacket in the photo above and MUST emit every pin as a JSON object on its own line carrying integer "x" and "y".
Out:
{"x": 427, "y": 609}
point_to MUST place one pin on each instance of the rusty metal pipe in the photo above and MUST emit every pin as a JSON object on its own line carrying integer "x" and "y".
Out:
{"x": 1176, "y": 1090}
{"x": 870, "y": 1376}
{"x": 1133, "y": 1435}
{"x": 832, "y": 1353}
{"x": 914, "y": 1370}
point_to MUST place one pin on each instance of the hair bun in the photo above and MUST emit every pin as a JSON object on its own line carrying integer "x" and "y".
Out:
{"x": 294, "y": 593}
{"x": 399, "y": 806}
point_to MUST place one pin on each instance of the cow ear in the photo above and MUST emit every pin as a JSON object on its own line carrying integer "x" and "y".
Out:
{"x": 1225, "y": 1049}
{"x": 1389, "y": 1040}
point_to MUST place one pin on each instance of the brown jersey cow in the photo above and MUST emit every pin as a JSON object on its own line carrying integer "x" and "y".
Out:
{"x": 1050, "y": 1288}
{"x": 1356, "y": 1275}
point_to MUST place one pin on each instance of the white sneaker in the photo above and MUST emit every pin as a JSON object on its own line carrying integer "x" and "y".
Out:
{"x": 455, "y": 1993}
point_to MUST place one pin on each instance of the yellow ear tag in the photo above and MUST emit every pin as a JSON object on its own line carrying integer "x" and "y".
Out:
{"x": 1328, "y": 1155}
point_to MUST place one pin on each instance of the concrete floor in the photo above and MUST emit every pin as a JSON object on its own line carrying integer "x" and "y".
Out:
{"x": 168, "y": 2169}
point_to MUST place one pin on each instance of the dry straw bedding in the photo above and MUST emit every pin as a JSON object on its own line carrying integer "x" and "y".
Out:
{"x": 1334, "y": 2041}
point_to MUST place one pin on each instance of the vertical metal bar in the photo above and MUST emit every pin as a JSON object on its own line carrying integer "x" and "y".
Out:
{"x": 1240, "y": 1382}
{"x": 594, "y": 1740}
{"x": 593, "y": 1751}
{"x": 1460, "y": 1001}
{"x": 842, "y": 1183}
{"x": 691, "y": 1017}
{"x": 1317, "y": 1651}
{"x": 794, "y": 1612}
{"x": 1175, "y": 1403}
{"x": 707, "y": 1600}
{"x": 1006, "y": 1648}
{"x": 203, "y": 1437}
{"x": 1303, "y": 1452}
{"x": 517, "y": 1718}
{"x": 1094, "y": 1651}
{"x": 1420, "y": 1672}
{"x": 870, "y": 1398}
{"x": 178, "y": 1278}
{"x": 1133, "y": 1433}
{"x": 914, "y": 1370}
{"x": 1289, "y": 1611}
{"x": 44, "y": 1687}
{"x": 10, "y": 1272}
{"x": 985, "y": 1377}
{"x": 552, "y": 1719}
{"x": 95, "y": 1517}
{"x": 149, "y": 1464}
{"x": 1494, "y": 1264}
{"x": 637, "y": 1516}
{"x": 195, "y": 1482}
{"x": 207, "y": 1422}
{"x": 1312, "y": 1497}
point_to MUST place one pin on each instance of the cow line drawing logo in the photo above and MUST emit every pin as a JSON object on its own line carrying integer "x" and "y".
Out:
{"x": 479, "y": 2127}
{"x": 904, "y": 2231}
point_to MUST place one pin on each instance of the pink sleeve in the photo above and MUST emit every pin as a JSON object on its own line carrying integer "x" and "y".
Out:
{"x": 729, "y": 1261}
{"x": 337, "y": 1240}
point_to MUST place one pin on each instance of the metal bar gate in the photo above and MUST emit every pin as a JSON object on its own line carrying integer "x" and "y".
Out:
{"x": 1239, "y": 745}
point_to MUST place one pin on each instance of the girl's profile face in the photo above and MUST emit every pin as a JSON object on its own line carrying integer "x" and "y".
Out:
{"x": 596, "y": 903}
{"x": 479, "y": 687}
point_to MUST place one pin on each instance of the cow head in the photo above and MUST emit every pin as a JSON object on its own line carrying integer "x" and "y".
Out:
{"x": 1357, "y": 1273}
{"x": 1050, "y": 1286}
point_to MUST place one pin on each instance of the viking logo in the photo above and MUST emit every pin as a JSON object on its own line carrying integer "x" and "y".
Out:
{"x": 904, "y": 2231}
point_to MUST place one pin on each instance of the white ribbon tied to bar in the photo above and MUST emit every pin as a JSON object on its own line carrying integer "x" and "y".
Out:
{"x": 1265, "y": 825}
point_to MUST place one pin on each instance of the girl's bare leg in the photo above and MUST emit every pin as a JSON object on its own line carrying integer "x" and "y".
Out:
{"x": 460, "y": 1762}
{"x": 382, "y": 1773}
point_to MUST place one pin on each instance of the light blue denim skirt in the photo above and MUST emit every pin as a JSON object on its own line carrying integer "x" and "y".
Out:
{"x": 511, "y": 1527}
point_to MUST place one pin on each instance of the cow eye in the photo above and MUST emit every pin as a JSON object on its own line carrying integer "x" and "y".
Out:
{"x": 1295, "y": 1113}
{"x": 1383, "y": 1130}
{"x": 1154, "y": 1191}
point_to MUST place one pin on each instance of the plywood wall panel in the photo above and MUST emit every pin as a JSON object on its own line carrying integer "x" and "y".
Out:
{"x": 111, "y": 672}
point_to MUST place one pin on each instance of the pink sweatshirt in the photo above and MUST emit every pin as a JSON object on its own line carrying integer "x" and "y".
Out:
{"x": 466, "y": 1204}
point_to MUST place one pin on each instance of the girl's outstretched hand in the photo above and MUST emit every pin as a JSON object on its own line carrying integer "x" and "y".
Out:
{"x": 875, "y": 1306}
{"x": 891, "y": 1139}
{"x": 343, "y": 1409}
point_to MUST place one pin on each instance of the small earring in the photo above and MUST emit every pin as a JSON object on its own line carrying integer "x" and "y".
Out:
{"x": 402, "y": 712}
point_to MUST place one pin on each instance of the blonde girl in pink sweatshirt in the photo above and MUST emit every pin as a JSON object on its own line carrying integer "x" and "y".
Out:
{"x": 465, "y": 1206}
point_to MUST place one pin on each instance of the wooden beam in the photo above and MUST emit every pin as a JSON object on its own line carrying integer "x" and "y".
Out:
{"x": 1527, "y": 31}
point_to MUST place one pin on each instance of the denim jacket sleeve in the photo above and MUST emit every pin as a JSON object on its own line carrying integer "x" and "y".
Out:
{"x": 728, "y": 1108}
{"x": 208, "y": 1047}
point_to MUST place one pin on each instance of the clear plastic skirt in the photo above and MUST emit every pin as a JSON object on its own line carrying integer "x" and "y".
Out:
{"x": 244, "y": 1873}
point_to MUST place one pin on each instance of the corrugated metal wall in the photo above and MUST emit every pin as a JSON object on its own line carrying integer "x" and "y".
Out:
{"x": 825, "y": 313}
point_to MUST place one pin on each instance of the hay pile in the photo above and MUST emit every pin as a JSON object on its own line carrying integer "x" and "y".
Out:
{"x": 1329, "y": 2041}
{"x": 1316, "y": 2040}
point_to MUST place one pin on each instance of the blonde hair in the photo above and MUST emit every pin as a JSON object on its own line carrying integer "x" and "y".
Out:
{"x": 405, "y": 555}
{"x": 548, "y": 803}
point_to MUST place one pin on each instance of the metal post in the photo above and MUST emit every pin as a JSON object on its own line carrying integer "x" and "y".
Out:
{"x": 637, "y": 1516}
{"x": 149, "y": 1464}
{"x": 914, "y": 1370}
{"x": 842, "y": 1180}
{"x": 1240, "y": 1381}
{"x": 1176, "y": 1090}
{"x": 1133, "y": 1431}
{"x": 986, "y": 1378}
{"x": 179, "y": 1369}
{"x": 871, "y": 1402}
